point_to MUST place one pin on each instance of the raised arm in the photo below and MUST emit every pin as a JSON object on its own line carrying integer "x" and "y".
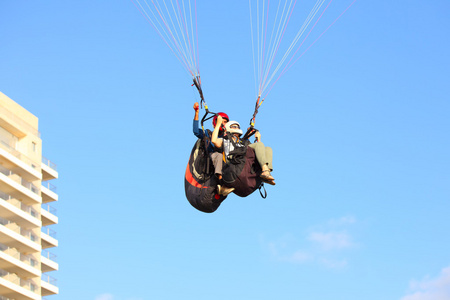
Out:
{"x": 198, "y": 132}
{"x": 196, "y": 111}
{"x": 215, "y": 135}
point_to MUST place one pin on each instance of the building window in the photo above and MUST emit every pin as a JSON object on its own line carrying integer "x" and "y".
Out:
{"x": 33, "y": 146}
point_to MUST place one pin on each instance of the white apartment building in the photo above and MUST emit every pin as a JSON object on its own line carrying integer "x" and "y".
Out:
{"x": 27, "y": 217}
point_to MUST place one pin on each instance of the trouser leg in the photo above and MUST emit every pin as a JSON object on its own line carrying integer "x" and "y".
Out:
{"x": 260, "y": 153}
{"x": 216, "y": 158}
{"x": 263, "y": 154}
{"x": 269, "y": 156}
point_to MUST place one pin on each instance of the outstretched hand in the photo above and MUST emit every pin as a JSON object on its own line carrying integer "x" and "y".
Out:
{"x": 196, "y": 106}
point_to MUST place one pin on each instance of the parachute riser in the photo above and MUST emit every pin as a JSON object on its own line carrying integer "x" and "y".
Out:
{"x": 197, "y": 83}
{"x": 251, "y": 130}
{"x": 259, "y": 102}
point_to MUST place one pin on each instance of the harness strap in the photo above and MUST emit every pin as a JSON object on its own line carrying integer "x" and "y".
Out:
{"x": 207, "y": 154}
{"x": 260, "y": 192}
{"x": 251, "y": 131}
{"x": 206, "y": 118}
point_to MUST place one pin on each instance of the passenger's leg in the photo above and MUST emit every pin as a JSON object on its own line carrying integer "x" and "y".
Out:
{"x": 269, "y": 156}
{"x": 260, "y": 153}
{"x": 264, "y": 157}
{"x": 216, "y": 158}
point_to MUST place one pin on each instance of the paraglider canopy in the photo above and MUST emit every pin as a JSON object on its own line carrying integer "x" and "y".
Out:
{"x": 176, "y": 23}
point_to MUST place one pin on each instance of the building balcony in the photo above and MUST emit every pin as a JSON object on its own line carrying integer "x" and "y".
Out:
{"x": 14, "y": 287}
{"x": 48, "y": 169}
{"x": 48, "y": 262}
{"x": 19, "y": 188}
{"x": 13, "y": 261}
{"x": 48, "y": 285}
{"x": 48, "y": 192}
{"x": 48, "y": 239}
{"x": 48, "y": 215}
{"x": 15, "y": 211}
{"x": 19, "y": 163}
{"x": 13, "y": 236}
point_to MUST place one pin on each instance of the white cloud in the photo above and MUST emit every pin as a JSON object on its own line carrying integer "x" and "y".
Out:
{"x": 331, "y": 240}
{"x": 104, "y": 297}
{"x": 333, "y": 264}
{"x": 283, "y": 250}
{"x": 342, "y": 221}
{"x": 325, "y": 247}
{"x": 297, "y": 257}
{"x": 300, "y": 257}
{"x": 431, "y": 288}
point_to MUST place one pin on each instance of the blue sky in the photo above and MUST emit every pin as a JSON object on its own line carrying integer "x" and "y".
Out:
{"x": 359, "y": 128}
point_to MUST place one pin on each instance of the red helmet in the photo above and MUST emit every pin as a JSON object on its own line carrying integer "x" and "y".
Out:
{"x": 223, "y": 115}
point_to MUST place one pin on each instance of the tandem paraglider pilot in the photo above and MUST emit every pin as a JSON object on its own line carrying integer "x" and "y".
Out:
{"x": 215, "y": 153}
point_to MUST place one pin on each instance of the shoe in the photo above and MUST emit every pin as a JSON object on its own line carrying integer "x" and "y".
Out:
{"x": 224, "y": 191}
{"x": 265, "y": 176}
{"x": 271, "y": 182}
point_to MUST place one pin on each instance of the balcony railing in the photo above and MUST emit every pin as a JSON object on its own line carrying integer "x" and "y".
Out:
{"x": 13, "y": 278}
{"x": 19, "y": 204}
{"x": 49, "y": 255}
{"x": 17, "y": 229}
{"x": 19, "y": 155}
{"x": 49, "y": 186}
{"x": 14, "y": 253}
{"x": 30, "y": 260}
{"x": 49, "y": 208}
{"x": 49, "y": 279}
{"x": 17, "y": 178}
{"x": 49, "y": 232}
{"x": 10, "y": 251}
{"x": 49, "y": 163}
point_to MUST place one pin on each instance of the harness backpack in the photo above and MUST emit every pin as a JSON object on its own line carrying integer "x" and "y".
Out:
{"x": 242, "y": 171}
{"x": 199, "y": 180}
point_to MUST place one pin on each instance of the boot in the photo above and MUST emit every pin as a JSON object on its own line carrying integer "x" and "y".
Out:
{"x": 224, "y": 191}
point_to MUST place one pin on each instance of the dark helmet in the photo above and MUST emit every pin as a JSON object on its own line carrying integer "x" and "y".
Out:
{"x": 223, "y": 115}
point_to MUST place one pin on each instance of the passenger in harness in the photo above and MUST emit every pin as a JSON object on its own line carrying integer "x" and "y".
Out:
{"x": 235, "y": 149}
